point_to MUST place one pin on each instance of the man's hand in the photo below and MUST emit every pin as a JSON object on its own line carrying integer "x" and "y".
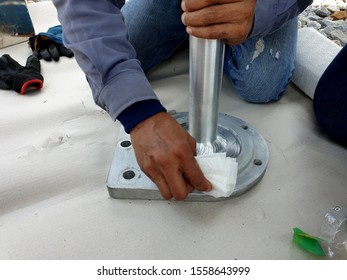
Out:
{"x": 229, "y": 20}
{"x": 165, "y": 152}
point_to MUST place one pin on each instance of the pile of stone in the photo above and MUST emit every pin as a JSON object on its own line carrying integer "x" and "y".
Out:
{"x": 329, "y": 19}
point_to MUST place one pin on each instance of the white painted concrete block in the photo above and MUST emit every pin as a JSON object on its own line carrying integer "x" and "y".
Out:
{"x": 314, "y": 54}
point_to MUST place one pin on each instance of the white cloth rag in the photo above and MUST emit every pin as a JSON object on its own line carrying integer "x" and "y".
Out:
{"x": 221, "y": 171}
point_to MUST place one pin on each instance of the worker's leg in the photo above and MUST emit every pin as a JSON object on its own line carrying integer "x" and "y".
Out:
{"x": 154, "y": 28}
{"x": 260, "y": 69}
{"x": 330, "y": 99}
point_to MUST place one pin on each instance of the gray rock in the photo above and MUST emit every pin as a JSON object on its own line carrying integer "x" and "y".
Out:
{"x": 319, "y": 17}
{"x": 314, "y": 17}
{"x": 321, "y": 31}
{"x": 305, "y": 13}
{"x": 326, "y": 22}
{"x": 304, "y": 20}
{"x": 322, "y": 12}
{"x": 340, "y": 36}
{"x": 314, "y": 24}
{"x": 337, "y": 42}
{"x": 333, "y": 8}
{"x": 328, "y": 29}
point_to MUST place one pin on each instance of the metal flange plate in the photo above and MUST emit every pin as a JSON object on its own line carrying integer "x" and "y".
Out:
{"x": 234, "y": 136}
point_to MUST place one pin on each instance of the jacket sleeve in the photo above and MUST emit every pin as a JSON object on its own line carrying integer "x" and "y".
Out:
{"x": 95, "y": 31}
{"x": 272, "y": 15}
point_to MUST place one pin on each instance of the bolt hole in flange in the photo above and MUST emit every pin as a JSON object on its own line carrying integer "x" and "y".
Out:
{"x": 129, "y": 175}
{"x": 257, "y": 162}
{"x": 125, "y": 144}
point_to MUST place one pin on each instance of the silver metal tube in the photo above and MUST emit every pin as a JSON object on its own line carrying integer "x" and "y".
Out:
{"x": 206, "y": 73}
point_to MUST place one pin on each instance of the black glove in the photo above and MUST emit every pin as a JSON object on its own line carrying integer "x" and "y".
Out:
{"x": 49, "y": 45}
{"x": 15, "y": 76}
{"x": 49, "y": 50}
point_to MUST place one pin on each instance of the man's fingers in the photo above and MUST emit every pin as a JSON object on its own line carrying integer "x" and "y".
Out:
{"x": 227, "y": 20}
{"x": 231, "y": 13}
{"x": 180, "y": 188}
{"x": 194, "y": 176}
{"x": 193, "y": 5}
{"x": 233, "y": 35}
{"x": 163, "y": 187}
{"x": 190, "y": 188}
{"x": 161, "y": 183}
{"x": 167, "y": 178}
{"x": 175, "y": 181}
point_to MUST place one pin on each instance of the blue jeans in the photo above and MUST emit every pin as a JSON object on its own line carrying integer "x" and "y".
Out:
{"x": 259, "y": 69}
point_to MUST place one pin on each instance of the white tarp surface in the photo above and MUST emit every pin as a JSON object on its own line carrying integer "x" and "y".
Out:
{"x": 56, "y": 148}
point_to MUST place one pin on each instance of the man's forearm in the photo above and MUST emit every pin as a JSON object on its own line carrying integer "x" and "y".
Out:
{"x": 95, "y": 31}
{"x": 272, "y": 15}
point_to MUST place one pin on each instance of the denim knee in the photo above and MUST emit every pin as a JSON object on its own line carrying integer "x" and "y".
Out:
{"x": 258, "y": 82}
{"x": 260, "y": 68}
{"x": 260, "y": 90}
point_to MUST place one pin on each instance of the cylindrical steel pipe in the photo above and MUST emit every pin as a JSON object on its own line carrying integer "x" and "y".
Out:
{"x": 206, "y": 72}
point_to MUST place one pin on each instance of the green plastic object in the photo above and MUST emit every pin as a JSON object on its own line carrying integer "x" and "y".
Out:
{"x": 307, "y": 242}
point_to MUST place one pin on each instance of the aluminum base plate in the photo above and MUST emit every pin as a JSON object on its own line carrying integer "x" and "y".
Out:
{"x": 234, "y": 136}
